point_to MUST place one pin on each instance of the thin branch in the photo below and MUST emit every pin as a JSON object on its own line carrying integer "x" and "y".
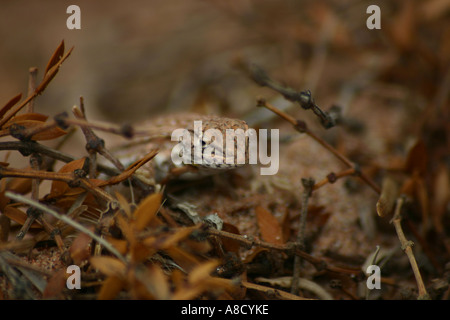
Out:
{"x": 28, "y": 147}
{"x": 70, "y": 178}
{"x": 406, "y": 246}
{"x": 333, "y": 177}
{"x": 303, "y": 98}
{"x": 271, "y": 291}
{"x": 31, "y": 88}
{"x": 302, "y": 127}
{"x": 308, "y": 185}
{"x": 250, "y": 242}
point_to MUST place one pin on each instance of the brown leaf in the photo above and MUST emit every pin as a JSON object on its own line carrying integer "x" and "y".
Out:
{"x": 124, "y": 204}
{"x": 26, "y": 116}
{"x": 47, "y": 134}
{"x": 20, "y": 185}
{"x": 57, "y": 55}
{"x": 19, "y": 216}
{"x": 111, "y": 288}
{"x": 147, "y": 210}
{"x": 108, "y": 266}
{"x": 171, "y": 240}
{"x": 126, "y": 229}
{"x": 388, "y": 196}
{"x": 184, "y": 259}
{"x": 55, "y": 285}
{"x": 417, "y": 158}
{"x": 10, "y": 104}
{"x": 49, "y": 75}
{"x": 269, "y": 226}
{"x": 200, "y": 247}
{"x": 120, "y": 245}
{"x": 140, "y": 252}
{"x": 4, "y": 200}
{"x": 177, "y": 277}
{"x": 203, "y": 271}
{"x": 60, "y": 187}
{"x": 80, "y": 248}
{"x": 153, "y": 283}
{"x": 52, "y": 70}
{"x": 230, "y": 245}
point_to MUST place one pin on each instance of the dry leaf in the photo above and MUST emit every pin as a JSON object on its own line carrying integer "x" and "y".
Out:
{"x": 386, "y": 201}
{"x": 147, "y": 210}
{"x": 80, "y": 248}
{"x": 47, "y": 134}
{"x": 154, "y": 282}
{"x": 49, "y": 75}
{"x": 19, "y": 216}
{"x": 230, "y": 245}
{"x": 26, "y": 116}
{"x": 20, "y": 185}
{"x": 120, "y": 245}
{"x": 269, "y": 227}
{"x": 52, "y": 67}
{"x": 56, "y": 56}
{"x": 417, "y": 158}
{"x": 173, "y": 239}
{"x": 140, "y": 252}
{"x": 109, "y": 266}
{"x": 203, "y": 271}
{"x": 200, "y": 247}
{"x": 177, "y": 278}
{"x": 111, "y": 288}
{"x": 184, "y": 259}
{"x": 10, "y": 104}
{"x": 124, "y": 204}
{"x": 59, "y": 188}
{"x": 55, "y": 285}
{"x": 126, "y": 229}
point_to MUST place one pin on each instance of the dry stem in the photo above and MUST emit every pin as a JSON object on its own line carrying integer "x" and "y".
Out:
{"x": 288, "y": 247}
{"x": 407, "y": 248}
{"x": 301, "y": 127}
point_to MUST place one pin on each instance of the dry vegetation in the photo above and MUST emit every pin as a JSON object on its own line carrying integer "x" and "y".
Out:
{"x": 363, "y": 182}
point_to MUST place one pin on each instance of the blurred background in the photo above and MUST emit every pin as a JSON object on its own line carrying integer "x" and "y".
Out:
{"x": 134, "y": 58}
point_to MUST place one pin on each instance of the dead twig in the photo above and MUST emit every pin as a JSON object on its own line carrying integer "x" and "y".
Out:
{"x": 308, "y": 185}
{"x": 250, "y": 242}
{"x": 303, "y": 98}
{"x": 271, "y": 291}
{"x": 75, "y": 178}
{"x": 302, "y": 127}
{"x": 406, "y": 246}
